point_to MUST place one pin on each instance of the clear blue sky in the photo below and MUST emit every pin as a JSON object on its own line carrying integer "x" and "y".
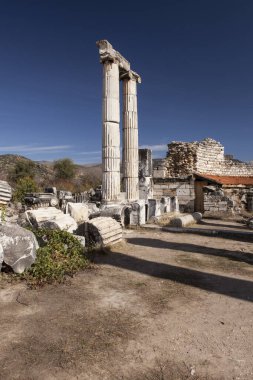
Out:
{"x": 195, "y": 58}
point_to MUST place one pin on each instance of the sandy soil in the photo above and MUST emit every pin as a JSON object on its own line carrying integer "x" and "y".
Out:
{"x": 161, "y": 306}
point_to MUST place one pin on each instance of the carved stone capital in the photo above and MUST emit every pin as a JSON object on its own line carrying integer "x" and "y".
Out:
{"x": 130, "y": 75}
{"x": 107, "y": 53}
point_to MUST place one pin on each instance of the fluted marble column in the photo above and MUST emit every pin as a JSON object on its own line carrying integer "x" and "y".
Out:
{"x": 130, "y": 137}
{"x": 111, "y": 132}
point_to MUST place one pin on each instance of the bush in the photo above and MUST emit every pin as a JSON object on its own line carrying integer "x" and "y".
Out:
{"x": 64, "y": 168}
{"x": 22, "y": 169}
{"x": 24, "y": 185}
{"x": 60, "y": 255}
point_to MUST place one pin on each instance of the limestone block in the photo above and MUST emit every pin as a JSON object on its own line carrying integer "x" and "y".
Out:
{"x": 183, "y": 192}
{"x": 138, "y": 213}
{"x": 121, "y": 213}
{"x": 174, "y": 204}
{"x": 186, "y": 220}
{"x": 52, "y": 218}
{"x": 18, "y": 245}
{"x": 154, "y": 208}
{"x": 78, "y": 211}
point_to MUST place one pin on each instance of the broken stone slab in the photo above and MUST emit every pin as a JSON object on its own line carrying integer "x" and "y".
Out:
{"x": 138, "y": 213}
{"x": 121, "y": 213}
{"x": 93, "y": 209}
{"x": 19, "y": 247}
{"x": 101, "y": 231}
{"x": 51, "y": 218}
{"x": 78, "y": 211}
{"x": 186, "y": 220}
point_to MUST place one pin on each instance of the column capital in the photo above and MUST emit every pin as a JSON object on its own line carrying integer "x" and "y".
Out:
{"x": 107, "y": 53}
{"x": 130, "y": 75}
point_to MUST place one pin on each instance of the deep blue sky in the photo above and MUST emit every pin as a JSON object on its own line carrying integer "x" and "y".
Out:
{"x": 195, "y": 58}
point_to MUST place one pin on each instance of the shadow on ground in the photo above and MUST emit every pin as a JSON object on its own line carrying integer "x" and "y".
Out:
{"x": 193, "y": 248}
{"x": 232, "y": 287}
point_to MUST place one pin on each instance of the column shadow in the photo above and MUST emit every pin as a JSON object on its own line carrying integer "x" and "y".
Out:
{"x": 193, "y": 248}
{"x": 231, "y": 287}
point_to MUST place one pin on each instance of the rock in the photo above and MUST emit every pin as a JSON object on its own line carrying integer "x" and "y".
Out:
{"x": 19, "y": 247}
{"x": 78, "y": 211}
{"x": 52, "y": 218}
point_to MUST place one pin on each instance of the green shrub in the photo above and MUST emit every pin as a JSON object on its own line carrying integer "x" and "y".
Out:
{"x": 60, "y": 255}
{"x": 22, "y": 169}
{"x": 64, "y": 168}
{"x": 24, "y": 185}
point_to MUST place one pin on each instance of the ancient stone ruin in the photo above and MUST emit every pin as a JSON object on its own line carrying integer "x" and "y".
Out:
{"x": 203, "y": 178}
{"x": 116, "y": 68}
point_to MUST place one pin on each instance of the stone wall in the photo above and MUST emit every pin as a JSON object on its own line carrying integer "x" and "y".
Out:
{"x": 183, "y": 189}
{"x": 228, "y": 200}
{"x": 216, "y": 204}
{"x": 206, "y": 156}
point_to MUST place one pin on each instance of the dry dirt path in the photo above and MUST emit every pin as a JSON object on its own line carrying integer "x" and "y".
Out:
{"x": 161, "y": 306}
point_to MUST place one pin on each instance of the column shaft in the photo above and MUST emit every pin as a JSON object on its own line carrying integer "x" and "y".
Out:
{"x": 130, "y": 140}
{"x": 111, "y": 133}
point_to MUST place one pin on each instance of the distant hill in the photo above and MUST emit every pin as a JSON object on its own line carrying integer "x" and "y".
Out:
{"x": 44, "y": 169}
{"x": 8, "y": 162}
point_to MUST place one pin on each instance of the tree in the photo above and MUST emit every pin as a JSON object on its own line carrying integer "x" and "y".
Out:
{"x": 64, "y": 168}
{"x": 24, "y": 185}
{"x": 22, "y": 169}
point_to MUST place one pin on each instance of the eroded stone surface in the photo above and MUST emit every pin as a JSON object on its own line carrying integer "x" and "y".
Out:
{"x": 78, "y": 211}
{"x": 103, "y": 231}
{"x": 19, "y": 247}
{"x": 51, "y": 218}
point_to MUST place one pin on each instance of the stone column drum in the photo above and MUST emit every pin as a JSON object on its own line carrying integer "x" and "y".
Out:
{"x": 130, "y": 137}
{"x": 111, "y": 132}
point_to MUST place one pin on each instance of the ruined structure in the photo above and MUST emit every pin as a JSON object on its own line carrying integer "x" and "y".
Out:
{"x": 145, "y": 174}
{"x": 206, "y": 156}
{"x": 203, "y": 178}
{"x": 116, "y": 68}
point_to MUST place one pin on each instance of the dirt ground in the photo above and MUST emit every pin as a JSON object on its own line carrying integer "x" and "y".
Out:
{"x": 161, "y": 306}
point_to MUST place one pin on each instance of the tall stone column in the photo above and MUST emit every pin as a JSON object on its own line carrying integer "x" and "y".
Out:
{"x": 130, "y": 136}
{"x": 111, "y": 132}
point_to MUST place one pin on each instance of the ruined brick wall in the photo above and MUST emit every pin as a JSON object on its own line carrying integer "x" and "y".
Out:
{"x": 214, "y": 204}
{"x": 181, "y": 159}
{"x": 206, "y": 156}
{"x": 182, "y": 189}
